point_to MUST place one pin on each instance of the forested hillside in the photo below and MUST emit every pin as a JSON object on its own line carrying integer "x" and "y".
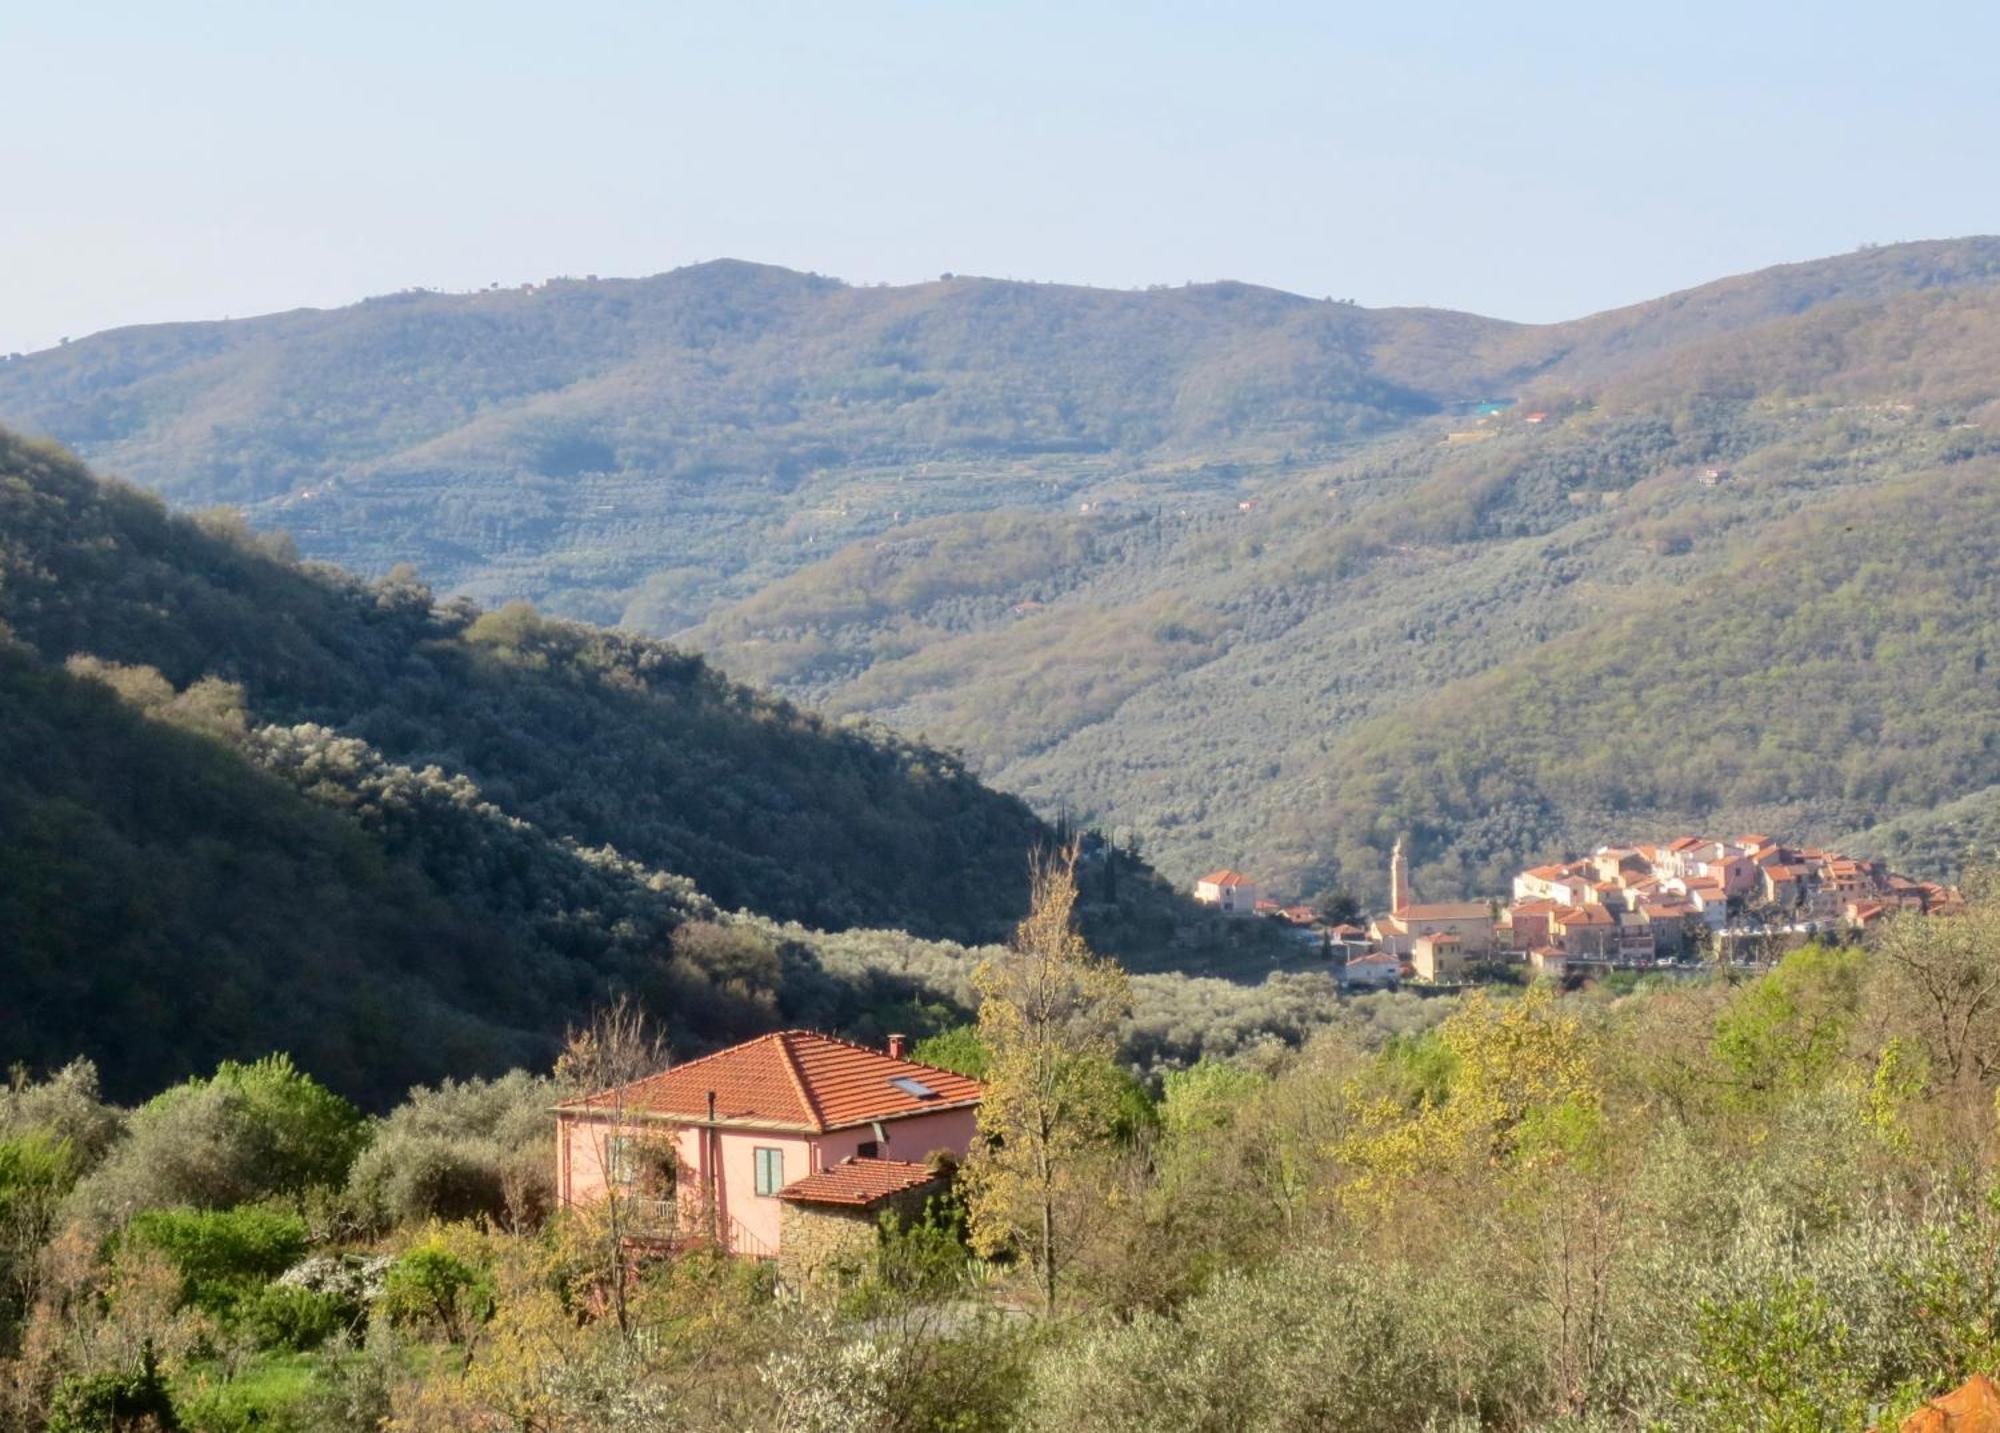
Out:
{"x": 642, "y": 449}
{"x": 1747, "y": 579}
{"x": 246, "y": 804}
{"x": 1248, "y": 576}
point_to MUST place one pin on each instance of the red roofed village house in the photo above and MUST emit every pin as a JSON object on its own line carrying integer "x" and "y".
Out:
{"x": 1228, "y": 891}
{"x": 748, "y": 1145}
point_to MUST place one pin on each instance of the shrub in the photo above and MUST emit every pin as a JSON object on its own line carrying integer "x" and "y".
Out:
{"x": 1312, "y": 1342}
{"x": 135, "y": 1402}
{"x": 432, "y": 1286}
{"x": 223, "y": 1256}
{"x": 355, "y": 1278}
{"x": 248, "y": 1132}
{"x": 36, "y": 1172}
{"x": 268, "y": 1395}
{"x": 281, "y": 1316}
{"x": 959, "y": 1049}
{"x": 67, "y": 1107}
{"x": 464, "y": 1150}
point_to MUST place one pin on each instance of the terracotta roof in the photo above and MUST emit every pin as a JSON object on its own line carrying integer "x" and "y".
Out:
{"x": 1685, "y": 843}
{"x": 793, "y": 1079}
{"x": 1537, "y": 908}
{"x": 1583, "y": 915}
{"x": 1974, "y": 1407}
{"x": 859, "y": 1182}
{"x": 1446, "y": 911}
{"x": 1225, "y": 877}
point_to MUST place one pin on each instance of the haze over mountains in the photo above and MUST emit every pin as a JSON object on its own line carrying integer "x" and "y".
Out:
{"x": 1243, "y": 572}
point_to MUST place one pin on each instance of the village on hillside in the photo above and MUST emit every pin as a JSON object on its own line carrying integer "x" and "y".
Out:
{"x": 1693, "y": 900}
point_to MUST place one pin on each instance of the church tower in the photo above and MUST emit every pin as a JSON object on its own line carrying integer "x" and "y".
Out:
{"x": 1399, "y": 880}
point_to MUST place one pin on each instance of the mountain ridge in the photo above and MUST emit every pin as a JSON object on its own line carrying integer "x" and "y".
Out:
{"x": 1095, "y": 539}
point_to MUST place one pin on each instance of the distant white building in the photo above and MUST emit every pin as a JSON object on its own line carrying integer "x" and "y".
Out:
{"x": 1379, "y": 971}
{"x": 1230, "y": 892}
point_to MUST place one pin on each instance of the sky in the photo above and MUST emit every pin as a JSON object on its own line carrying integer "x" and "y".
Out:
{"x": 169, "y": 160}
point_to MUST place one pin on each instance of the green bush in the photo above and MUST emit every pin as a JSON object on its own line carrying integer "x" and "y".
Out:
{"x": 279, "y": 1316}
{"x": 248, "y": 1132}
{"x": 114, "y": 1403}
{"x": 431, "y": 1286}
{"x": 467, "y": 1149}
{"x": 273, "y": 1394}
{"x": 223, "y": 1256}
{"x": 958, "y": 1048}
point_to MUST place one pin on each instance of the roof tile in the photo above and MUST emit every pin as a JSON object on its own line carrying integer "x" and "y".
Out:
{"x": 794, "y": 1078}
{"x": 860, "y": 1182}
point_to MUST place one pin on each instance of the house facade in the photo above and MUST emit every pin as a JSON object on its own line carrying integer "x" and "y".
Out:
{"x": 717, "y": 1149}
{"x": 1470, "y": 922}
{"x": 1230, "y": 892}
{"x": 1438, "y": 957}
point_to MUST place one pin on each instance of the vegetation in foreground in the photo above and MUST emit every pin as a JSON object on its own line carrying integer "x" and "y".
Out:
{"x": 1767, "y": 1205}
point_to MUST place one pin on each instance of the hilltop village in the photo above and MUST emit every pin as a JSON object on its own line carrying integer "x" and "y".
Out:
{"x": 1745, "y": 900}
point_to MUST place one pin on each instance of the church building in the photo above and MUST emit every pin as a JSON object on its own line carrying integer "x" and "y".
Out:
{"x": 1469, "y": 923}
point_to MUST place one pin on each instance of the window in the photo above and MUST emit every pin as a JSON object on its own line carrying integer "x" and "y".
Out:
{"x": 914, "y": 1087}
{"x": 621, "y": 1159}
{"x": 867, "y": 1149}
{"x": 770, "y": 1171}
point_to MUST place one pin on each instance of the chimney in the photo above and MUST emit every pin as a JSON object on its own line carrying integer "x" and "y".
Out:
{"x": 896, "y": 1046}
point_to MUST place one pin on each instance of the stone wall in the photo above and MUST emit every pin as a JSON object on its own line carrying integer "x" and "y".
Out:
{"x": 828, "y": 1246}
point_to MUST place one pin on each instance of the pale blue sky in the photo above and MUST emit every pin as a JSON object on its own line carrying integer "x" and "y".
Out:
{"x": 169, "y": 160}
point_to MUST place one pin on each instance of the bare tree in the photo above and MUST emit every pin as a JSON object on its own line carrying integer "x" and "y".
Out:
{"x": 601, "y": 1061}
{"x": 1945, "y": 982}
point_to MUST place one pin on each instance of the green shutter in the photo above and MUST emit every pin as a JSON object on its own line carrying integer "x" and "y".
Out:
{"x": 770, "y": 1170}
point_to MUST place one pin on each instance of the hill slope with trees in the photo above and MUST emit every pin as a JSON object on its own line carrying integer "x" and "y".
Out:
{"x": 1183, "y": 562}
{"x": 1743, "y": 580}
{"x": 247, "y": 804}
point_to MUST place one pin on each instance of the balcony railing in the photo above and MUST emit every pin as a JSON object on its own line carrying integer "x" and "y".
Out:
{"x": 678, "y": 1223}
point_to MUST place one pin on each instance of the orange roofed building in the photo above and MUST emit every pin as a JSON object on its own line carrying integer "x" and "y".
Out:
{"x": 718, "y": 1148}
{"x": 1973, "y": 1407}
{"x": 1228, "y": 891}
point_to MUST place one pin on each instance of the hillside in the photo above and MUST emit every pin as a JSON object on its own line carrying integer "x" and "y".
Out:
{"x": 639, "y": 450}
{"x": 1199, "y": 564}
{"x": 1951, "y": 840}
{"x": 1744, "y": 578}
{"x": 246, "y": 804}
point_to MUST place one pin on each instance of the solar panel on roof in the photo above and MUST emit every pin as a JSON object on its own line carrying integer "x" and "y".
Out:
{"x": 914, "y": 1087}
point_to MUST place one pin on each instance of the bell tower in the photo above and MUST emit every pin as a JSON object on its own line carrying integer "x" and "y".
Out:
{"x": 1399, "y": 880}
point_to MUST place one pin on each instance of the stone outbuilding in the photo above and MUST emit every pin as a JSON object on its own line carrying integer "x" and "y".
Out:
{"x": 830, "y": 1221}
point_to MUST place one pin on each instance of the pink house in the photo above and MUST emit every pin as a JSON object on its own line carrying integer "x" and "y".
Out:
{"x": 718, "y": 1147}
